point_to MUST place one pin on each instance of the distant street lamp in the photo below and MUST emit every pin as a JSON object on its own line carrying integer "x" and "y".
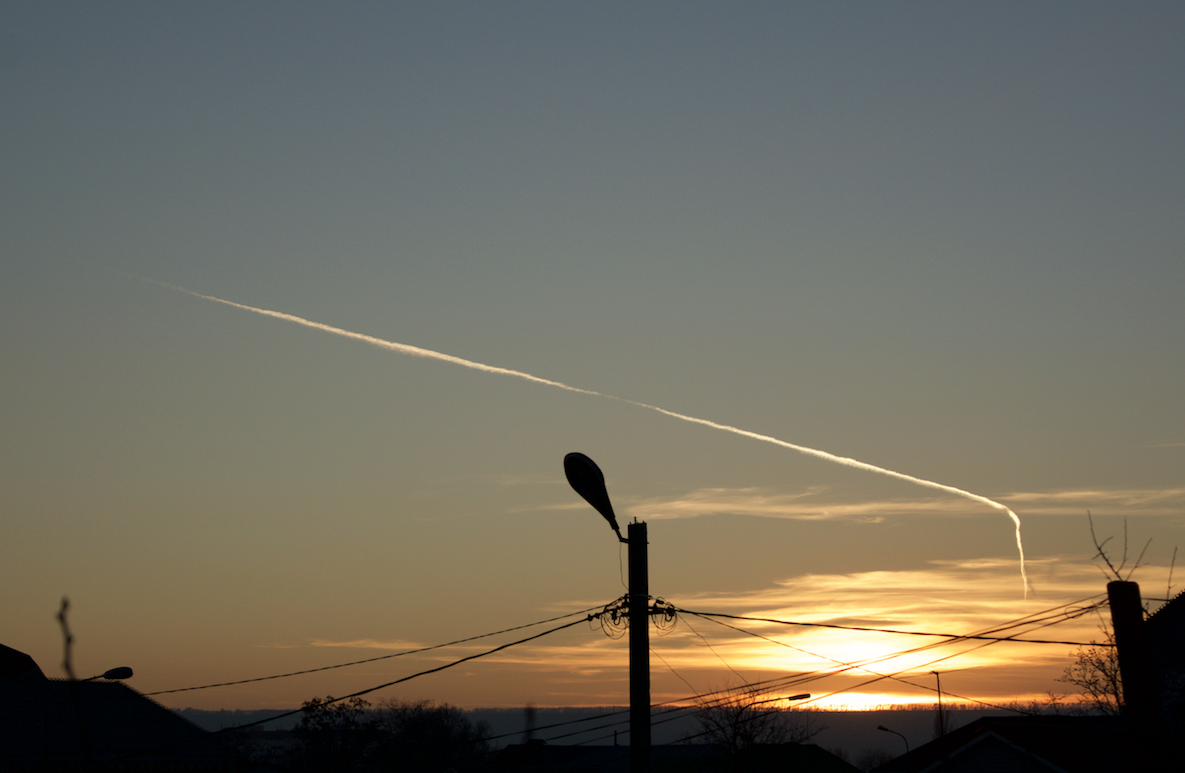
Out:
{"x": 114, "y": 674}
{"x": 894, "y": 732}
{"x": 738, "y": 713}
{"x": 589, "y": 482}
{"x": 941, "y": 717}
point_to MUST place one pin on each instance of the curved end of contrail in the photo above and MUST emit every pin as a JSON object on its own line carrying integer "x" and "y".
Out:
{"x": 1024, "y": 575}
{"x": 1020, "y": 548}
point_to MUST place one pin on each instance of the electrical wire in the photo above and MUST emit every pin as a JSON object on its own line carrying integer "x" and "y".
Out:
{"x": 708, "y": 701}
{"x": 716, "y": 698}
{"x": 372, "y": 660}
{"x": 367, "y": 691}
{"x": 896, "y": 675}
{"x": 672, "y": 669}
{"x": 952, "y": 636}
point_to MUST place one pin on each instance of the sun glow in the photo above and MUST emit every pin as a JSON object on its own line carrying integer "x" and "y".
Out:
{"x": 872, "y": 701}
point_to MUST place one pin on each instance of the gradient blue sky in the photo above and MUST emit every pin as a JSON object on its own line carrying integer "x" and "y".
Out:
{"x": 941, "y": 238}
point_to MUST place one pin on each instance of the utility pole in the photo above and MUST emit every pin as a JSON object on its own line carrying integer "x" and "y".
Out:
{"x": 639, "y": 617}
{"x": 1141, "y": 703}
{"x": 588, "y": 481}
{"x": 1141, "y": 697}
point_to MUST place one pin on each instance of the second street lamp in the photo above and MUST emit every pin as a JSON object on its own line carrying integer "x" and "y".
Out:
{"x": 589, "y": 482}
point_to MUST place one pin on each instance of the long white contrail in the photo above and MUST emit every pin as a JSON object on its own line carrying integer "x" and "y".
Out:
{"x": 416, "y": 351}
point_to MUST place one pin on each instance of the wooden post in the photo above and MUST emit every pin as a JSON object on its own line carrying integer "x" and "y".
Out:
{"x": 1140, "y": 702}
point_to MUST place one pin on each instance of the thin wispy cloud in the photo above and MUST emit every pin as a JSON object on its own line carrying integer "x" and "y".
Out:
{"x": 1125, "y": 501}
{"x": 811, "y": 505}
{"x": 821, "y": 503}
{"x": 368, "y": 644}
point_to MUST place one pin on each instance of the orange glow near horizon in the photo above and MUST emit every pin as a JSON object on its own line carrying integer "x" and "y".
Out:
{"x": 852, "y": 668}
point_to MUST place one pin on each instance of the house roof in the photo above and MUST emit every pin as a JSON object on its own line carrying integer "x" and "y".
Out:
{"x": 16, "y": 664}
{"x": 62, "y": 720}
{"x": 540, "y": 757}
{"x": 1166, "y": 626}
{"x": 1066, "y": 744}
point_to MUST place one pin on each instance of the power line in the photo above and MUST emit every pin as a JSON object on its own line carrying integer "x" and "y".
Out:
{"x": 1033, "y": 621}
{"x": 952, "y": 636}
{"x": 330, "y": 701}
{"x": 707, "y": 700}
{"x": 380, "y": 657}
{"x": 895, "y": 675}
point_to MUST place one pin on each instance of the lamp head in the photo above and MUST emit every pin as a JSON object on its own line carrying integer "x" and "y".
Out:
{"x": 589, "y": 482}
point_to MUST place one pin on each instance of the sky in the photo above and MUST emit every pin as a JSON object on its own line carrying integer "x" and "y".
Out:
{"x": 942, "y": 239}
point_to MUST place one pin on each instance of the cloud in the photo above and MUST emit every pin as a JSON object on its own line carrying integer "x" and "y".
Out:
{"x": 948, "y": 597}
{"x": 811, "y": 504}
{"x": 368, "y": 644}
{"x": 820, "y": 503}
{"x": 943, "y": 596}
{"x": 1125, "y": 501}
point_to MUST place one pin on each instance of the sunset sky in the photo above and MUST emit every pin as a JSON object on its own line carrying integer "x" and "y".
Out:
{"x": 942, "y": 239}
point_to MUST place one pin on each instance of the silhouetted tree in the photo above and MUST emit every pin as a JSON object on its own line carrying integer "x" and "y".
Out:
{"x": 1096, "y": 673}
{"x": 873, "y": 758}
{"x": 747, "y": 716}
{"x": 426, "y": 737}
{"x": 335, "y": 736}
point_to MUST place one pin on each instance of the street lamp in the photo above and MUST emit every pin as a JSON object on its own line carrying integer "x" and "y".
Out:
{"x": 589, "y": 482}
{"x": 894, "y": 732}
{"x": 114, "y": 674}
{"x": 941, "y": 718}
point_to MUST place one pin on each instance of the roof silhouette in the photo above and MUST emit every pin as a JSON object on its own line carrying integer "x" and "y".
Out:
{"x": 74, "y": 724}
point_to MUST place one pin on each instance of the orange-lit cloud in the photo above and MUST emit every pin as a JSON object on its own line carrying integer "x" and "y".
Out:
{"x": 368, "y": 644}
{"x": 949, "y": 597}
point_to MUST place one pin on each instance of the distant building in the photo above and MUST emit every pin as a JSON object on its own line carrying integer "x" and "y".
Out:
{"x": 62, "y": 725}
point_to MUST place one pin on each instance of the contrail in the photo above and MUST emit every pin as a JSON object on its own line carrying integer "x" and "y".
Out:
{"x": 416, "y": 351}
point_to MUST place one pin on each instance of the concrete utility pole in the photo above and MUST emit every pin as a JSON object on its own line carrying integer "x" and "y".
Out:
{"x": 639, "y": 597}
{"x": 588, "y": 481}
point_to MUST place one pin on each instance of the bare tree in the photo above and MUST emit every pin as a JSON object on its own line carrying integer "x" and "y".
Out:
{"x": 745, "y": 716}
{"x": 1096, "y": 673}
{"x": 1112, "y": 571}
{"x": 873, "y": 758}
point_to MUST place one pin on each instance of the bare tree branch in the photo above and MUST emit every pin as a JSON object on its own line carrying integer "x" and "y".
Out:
{"x": 1096, "y": 673}
{"x": 746, "y": 716}
{"x": 1141, "y": 558}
